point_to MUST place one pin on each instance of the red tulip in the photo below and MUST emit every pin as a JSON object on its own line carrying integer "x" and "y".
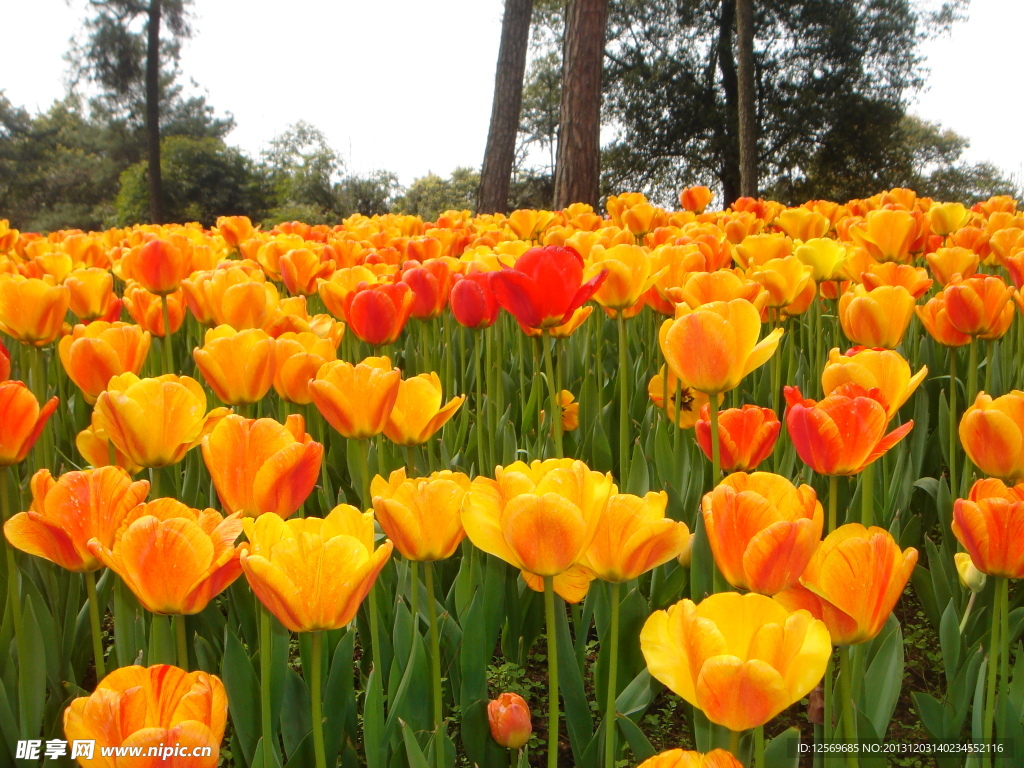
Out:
{"x": 473, "y": 301}
{"x": 747, "y": 435}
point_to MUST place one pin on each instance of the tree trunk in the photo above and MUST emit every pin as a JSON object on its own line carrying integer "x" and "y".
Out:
{"x": 578, "y": 166}
{"x": 747, "y": 100}
{"x": 156, "y": 208}
{"x": 500, "y": 154}
{"x": 730, "y": 173}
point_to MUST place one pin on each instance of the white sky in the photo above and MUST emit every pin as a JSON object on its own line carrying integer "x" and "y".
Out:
{"x": 406, "y": 85}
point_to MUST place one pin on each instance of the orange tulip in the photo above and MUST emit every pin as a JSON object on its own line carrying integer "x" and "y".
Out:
{"x": 678, "y": 758}
{"x": 541, "y": 519}
{"x": 259, "y": 466}
{"x": 158, "y": 265}
{"x": 877, "y": 318}
{"x": 238, "y": 365}
{"x": 784, "y": 279}
{"x": 934, "y": 316}
{"x": 714, "y": 347}
{"x": 509, "y": 719}
{"x": 297, "y": 358}
{"x": 377, "y": 314}
{"x": 886, "y": 234}
{"x": 175, "y": 559}
{"x": 154, "y": 422}
{"x": 356, "y": 399}
{"x": 5, "y": 363}
{"x": 312, "y": 573}
{"x": 152, "y": 709}
{"x": 238, "y": 296}
{"x": 980, "y": 306}
{"x": 853, "y": 582}
{"x": 96, "y": 448}
{"x": 702, "y": 288}
{"x": 633, "y": 536}
{"x": 32, "y": 311}
{"x": 691, "y": 402}
{"x": 762, "y": 530}
{"x": 146, "y": 309}
{"x": 630, "y": 273}
{"x": 992, "y": 434}
{"x": 23, "y": 421}
{"x": 70, "y": 511}
{"x": 91, "y": 294}
{"x": 742, "y": 659}
{"x": 417, "y": 413}
{"x": 301, "y": 268}
{"x": 842, "y": 433}
{"x": 914, "y": 279}
{"x": 234, "y": 229}
{"x": 756, "y": 250}
{"x": 990, "y": 525}
{"x": 746, "y": 435}
{"x": 879, "y": 369}
{"x": 695, "y": 199}
{"x": 431, "y": 284}
{"x": 422, "y": 516}
{"x": 946, "y": 262}
{"x": 570, "y": 411}
{"x": 93, "y": 353}
{"x": 803, "y": 223}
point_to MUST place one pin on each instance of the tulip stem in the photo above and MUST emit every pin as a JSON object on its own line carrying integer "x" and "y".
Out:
{"x": 967, "y": 613}
{"x": 414, "y": 595}
{"x": 1003, "y": 591}
{"x": 995, "y": 644}
{"x": 716, "y": 454}
{"x": 435, "y": 665}
{"x": 867, "y": 496}
{"x": 549, "y": 615}
{"x": 265, "y": 672}
{"x": 480, "y": 412}
{"x": 556, "y": 418}
{"x": 846, "y": 692}
{"x": 759, "y": 746}
{"x": 972, "y": 372}
{"x": 833, "y": 501}
{"x": 734, "y": 744}
{"x": 827, "y": 691}
{"x": 165, "y": 343}
{"x": 14, "y": 598}
{"x": 364, "y": 473}
{"x": 181, "y": 640}
{"x": 953, "y": 487}
{"x": 316, "y": 698}
{"x": 613, "y": 668}
{"x": 624, "y": 374}
{"x": 94, "y": 622}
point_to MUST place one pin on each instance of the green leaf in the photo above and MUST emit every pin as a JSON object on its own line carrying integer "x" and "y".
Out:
{"x": 373, "y": 722}
{"x": 296, "y": 716}
{"x": 950, "y": 641}
{"x": 243, "y": 690}
{"x": 639, "y": 480}
{"x": 578, "y": 719}
{"x": 638, "y": 742}
{"x": 161, "y": 641}
{"x": 782, "y": 751}
{"x": 412, "y": 748}
{"x": 31, "y": 675}
{"x": 883, "y": 682}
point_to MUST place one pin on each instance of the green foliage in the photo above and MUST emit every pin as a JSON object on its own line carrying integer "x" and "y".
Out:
{"x": 431, "y": 195}
{"x": 202, "y": 179}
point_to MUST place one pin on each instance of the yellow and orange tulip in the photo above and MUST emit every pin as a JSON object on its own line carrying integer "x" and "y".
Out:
{"x": 422, "y": 516}
{"x": 92, "y": 354}
{"x": 23, "y": 421}
{"x": 990, "y": 525}
{"x": 238, "y": 365}
{"x": 418, "y": 413}
{"x": 992, "y": 434}
{"x": 882, "y": 370}
{"x": 356, "y": 399}
{"x": 32, "y": 310}
{"x": 876, "y": 318}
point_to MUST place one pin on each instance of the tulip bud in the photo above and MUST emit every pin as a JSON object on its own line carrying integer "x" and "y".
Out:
{"x": 970, "y": 577}
{"x": 509, "y": 718}
{"x": 684, "y": 557}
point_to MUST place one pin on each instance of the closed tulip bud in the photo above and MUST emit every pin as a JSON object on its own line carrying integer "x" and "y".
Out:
{"x": 685, "y": 555}
{"x": 980, "y": 306}
{"x": 144, "y": 709}
{"x": 70, "y": 511}
{"x": 259, "y": 466}
{"x": 32, "y": 310}
{"x": 741, "y": 659}
{"x": 422, "y": 516}
{"x": 633, "y": 536}
{"x": 146, "y": 309}
{"x": 853, "y": 582}
{"x": 297, "y": 358}
{"x": 238, "y": 365}
{"x": 746, "y": 435}
{"x": 934, "y": 316}
{"x": 173, "y": 558}
{"x": 377, "y": 314}
{"x": 992, "y": 434}
{"x": 714, "y": 347}
{"x": 545, "y": 287}
{"x": 970, "y": 577}
{"x": 154, "y": 422}
{"x": 842, "y": 433}
{"x": 947, "y": 218}
{"x": 431, "y": 284}
{"x": 23, "y": 421}
{"x": 540, "y": 518}
{"x": 946, "y": 262}
{"x": 158, "y": 265}
{"x": 877, "y": 318}
{"x": 678, "y": 758}
{"x": 92, "y": 294}
{"x": 762, "y": 530}
{"x": 356, "y": 399}
{"x": 94, "y": 353}
{"x": 301, "y": 268}
{"x": 417, "y": 413}
{"x": 472, "y": 300}
{"x": 313, "y": 573}
{"x": 695, "y": 199}
{"x": 883, "y": 370}
{"x": 509, "y": 718}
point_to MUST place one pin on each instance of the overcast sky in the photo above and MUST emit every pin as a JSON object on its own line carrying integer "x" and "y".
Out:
{"x": 406, "y": 85}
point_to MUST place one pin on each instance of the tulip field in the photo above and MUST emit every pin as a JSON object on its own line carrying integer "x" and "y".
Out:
{"x": 658, "y": 488}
